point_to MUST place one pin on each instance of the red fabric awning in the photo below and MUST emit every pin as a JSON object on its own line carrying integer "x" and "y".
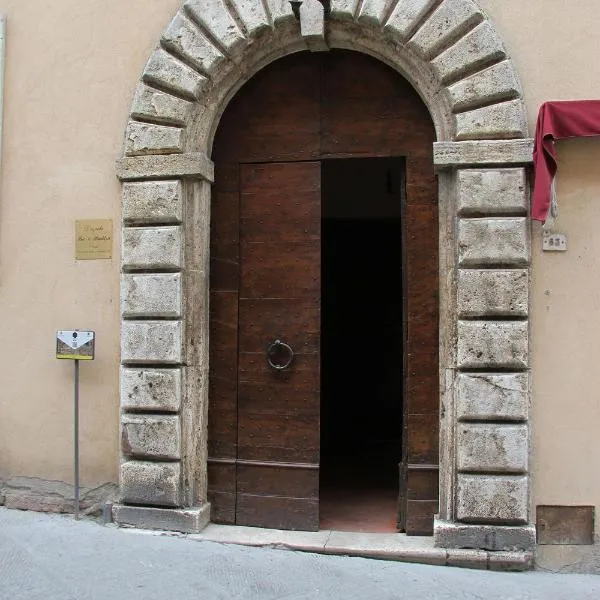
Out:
{"x": 558, "y": 120}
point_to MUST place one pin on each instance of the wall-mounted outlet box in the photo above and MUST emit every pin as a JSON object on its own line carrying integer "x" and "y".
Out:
{"x": 554, "y": 242}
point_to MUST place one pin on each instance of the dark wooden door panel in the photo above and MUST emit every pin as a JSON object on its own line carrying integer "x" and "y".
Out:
{"x": 280, "y": 294}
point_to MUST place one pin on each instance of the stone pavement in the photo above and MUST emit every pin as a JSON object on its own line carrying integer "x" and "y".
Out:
{"x": 53, "y": 557}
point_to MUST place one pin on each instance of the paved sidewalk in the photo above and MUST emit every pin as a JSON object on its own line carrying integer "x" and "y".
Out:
{"x": 53, "y": 557}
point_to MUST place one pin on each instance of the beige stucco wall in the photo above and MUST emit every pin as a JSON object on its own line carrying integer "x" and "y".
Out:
{"x": 72, "y": 68}
{"x": 71, "y": 71}
{"x": 555, "y": 45}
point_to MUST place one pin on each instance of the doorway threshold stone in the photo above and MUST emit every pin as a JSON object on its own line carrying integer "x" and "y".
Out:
{"x": 383, "y": 546}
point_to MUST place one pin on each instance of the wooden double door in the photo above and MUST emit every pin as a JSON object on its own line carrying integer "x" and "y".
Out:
{"x": 270, "y": 150}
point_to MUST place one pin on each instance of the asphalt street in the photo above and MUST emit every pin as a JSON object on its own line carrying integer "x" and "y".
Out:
{"x": 51, "y": 557}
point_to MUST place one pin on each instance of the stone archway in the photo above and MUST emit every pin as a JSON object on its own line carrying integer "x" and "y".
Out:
{"x": 454, "y": 58}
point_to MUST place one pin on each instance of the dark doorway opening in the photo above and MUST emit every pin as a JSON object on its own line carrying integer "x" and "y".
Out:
{"x": 362, "y": 333}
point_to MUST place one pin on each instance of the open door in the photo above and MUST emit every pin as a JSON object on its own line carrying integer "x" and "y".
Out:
{"x": 278, "y": 341}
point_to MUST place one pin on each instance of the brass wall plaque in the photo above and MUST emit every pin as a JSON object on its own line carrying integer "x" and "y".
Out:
{"x": 93, "y": 239}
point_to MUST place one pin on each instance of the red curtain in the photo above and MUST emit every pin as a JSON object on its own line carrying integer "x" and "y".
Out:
{"x": 558, "y": 120}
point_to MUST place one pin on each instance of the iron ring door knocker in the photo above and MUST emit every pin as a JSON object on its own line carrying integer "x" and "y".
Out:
{"x": 279, "y": 355}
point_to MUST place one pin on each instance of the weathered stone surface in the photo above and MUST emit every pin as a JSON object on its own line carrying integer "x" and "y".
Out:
{"x": 493, "y": 292}
{"x": 183, "y": 37}
{"x": 492, "y": 498}
{"x": 372, "y": 11}
{"x": 510, "y": 561}
{"x": 475, "y": 153}
{"x": 343, "y": 9}
{"x": 149, "y": 103}
{"x": 185, "y": 520}
{"x": 477, "y": 48}
{"x": 312, "y": 25}
{"x": 486, "y": 396}
{"x": 151, "y": 295}
{"x": 151, "y": 248}
{"x": 151, "y": 436}
{"x": 151, "y": 483}
{"x": 151, "y": 389}
{"x": 146, "y": 138}
{"x": 492, "y": 344}
{"x": 280, "y": 10}
{"x": 252, "y": 14}
{"x": 492, "y": 191}
{"x": 406, "y": 17}
{"x": 492, "y": 448}
{"x": 446, "y": 25}
{"x": 493, "y": 242}
{"x": 151, "y": 342}
{"x": 493, "y": 84}
{"x": 498, "y": 121}
{"x": 214, "y": 17}
{"x": 447, "y": 534}
{"x": 467, "y": 559}
{"x": 194, "y": 165}
{"x": 168, "y": 72}
{"x": 152, "y": 202}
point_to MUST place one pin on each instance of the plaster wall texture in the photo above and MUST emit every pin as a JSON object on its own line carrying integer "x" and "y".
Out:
{"x": 70, "y": 78}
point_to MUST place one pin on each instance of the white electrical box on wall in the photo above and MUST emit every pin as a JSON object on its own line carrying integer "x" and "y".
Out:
{"x": 554, "y": 242}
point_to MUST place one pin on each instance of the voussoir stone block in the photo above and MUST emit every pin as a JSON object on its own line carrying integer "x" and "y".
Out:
{"x": 169, "y": 72}
{"x": 150, "y": 389}
{"x": 151, "y": 295}
{"x": 492, "y": 191}
{"x": 149, "y": 103}
{"x": 147, "y": 138}
{"x": 444, "y": 26}
{"x": 493, "y": 292}
{"x": 491, "y": 344}
{"x": 151, "y": 483}
{"x": 501, "y": 241}
{"x": 492, "y": 498}
{"x": 153, "y": 202}
{"x": 406, "y": 17}
{"x": 184, "y": 37}
{"x": 151, "y": 342}
{"x": 492, "y": 397}
{"x": 476, "y": 49}
{"x": 492, "y": 447}
{"x": 151, "y": 436}
{"x": 151, "y": 248}
{"x": 497, "y": 121}
{"x": 252, "y": 14}
{"x": 372, "y": 11}
{"x": 496, "y": 83}
{"x": 213, "y": 16}
{"x": 280, "y": 10}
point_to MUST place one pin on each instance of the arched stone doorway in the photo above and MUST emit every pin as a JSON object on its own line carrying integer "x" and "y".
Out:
{"x": 453, "y": 57}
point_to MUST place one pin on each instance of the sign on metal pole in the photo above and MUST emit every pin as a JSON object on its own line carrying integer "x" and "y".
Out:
{"x": 75, "y": 345}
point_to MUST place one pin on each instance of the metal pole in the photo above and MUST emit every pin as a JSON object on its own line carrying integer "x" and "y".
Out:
{"x": 76, "y": 439}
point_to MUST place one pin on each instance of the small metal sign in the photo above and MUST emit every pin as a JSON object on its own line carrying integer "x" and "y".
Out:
{"x": 75, "y": 344}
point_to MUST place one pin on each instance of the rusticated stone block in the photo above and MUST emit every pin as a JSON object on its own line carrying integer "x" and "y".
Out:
{"x": 515, "y": 538}
{"x": 476, "y": 49}
{"x": 492, "y": 397}
{"x": 150, "y": 389}
{"x": 493, "y": 84}
{"x": 492, "y": 344}
{"x": 166, "y": 166}
{"x": 491, "y": 191}
{"x": 482, "y": 152}
{"x": 252, "y": 14}
{"x": 151, "y": 248}
{"x": 146, "y": 138}
{"x": 493, "y": 293}
{"x": 492, "y": 447}
{"x": 151, "y": 436}
{"x": 151, "y": 483}
{"x": 186, "y": 520}
{"x": 493, "y": 242}
{"x": 492, "y": 498}
{"x": 151, "y": 342}
{"x": 214, "y": 16}
{"x": 406, "y": 17}
{"x": 153, "y": 202}
{"x": 151, "y": 295}
{"x": 280, "y": 10}
{"x": 168, "y": 72}
{"x": 372, "y": 11}
{"x": 444, "y": 26}
{"x": 184, "y": 37}
{"x": 497, "y": 121}
{"x": 149, "y": 103}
